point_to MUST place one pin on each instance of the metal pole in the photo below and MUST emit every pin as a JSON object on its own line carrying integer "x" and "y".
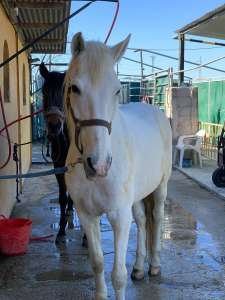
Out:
{"x": 50, "y": 62}
{"x": 175, "y": 58}
{"x": 142, "y": 68}
{"x": 138, "y": 62}
{"x": 200, "y": 69}
{"x": 153, "y": 62}
{"x": 18, "y": 113}
{"x": 181, "y": 58}
{"x": 142, "y": 75}
{"x": 203, "y": 42}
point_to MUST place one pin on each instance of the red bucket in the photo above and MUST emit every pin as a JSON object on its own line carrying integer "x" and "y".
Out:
{"x": 14, "y": 236}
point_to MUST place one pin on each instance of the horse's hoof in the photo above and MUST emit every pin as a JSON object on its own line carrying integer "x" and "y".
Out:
{"x": 137, "y": 274}
{"x": 60, "y": 239}
{"x": 84, "y": 242}
{"x": 154, "y": 271}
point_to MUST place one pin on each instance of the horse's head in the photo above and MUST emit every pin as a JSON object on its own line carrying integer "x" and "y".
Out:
{"x": 52, "y": 90}
{"x": 92, "y": 96}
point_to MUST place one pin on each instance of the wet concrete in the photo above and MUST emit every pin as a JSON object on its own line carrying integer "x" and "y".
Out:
{"x": 193, "y": 254}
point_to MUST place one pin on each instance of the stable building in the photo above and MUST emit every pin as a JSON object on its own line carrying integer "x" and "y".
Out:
{"x": 21, "y": 22}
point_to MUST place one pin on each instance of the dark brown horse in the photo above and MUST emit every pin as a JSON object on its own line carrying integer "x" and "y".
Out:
{"x": 57, "y": 134}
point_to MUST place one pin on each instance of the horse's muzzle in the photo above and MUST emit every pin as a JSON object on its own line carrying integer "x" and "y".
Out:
{"x": 94, "y": 169}
{"x": 54, "y": 129}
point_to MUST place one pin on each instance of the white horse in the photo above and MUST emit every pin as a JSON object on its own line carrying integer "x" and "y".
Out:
{"x": 126, "y": 154}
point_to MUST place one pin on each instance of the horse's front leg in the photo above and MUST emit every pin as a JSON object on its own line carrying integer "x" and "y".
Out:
{"x": 92, "y": 229}
{"x": 63, "y": 203}
{"x": 121, "y": 222}
{"x": 69, "y": 212}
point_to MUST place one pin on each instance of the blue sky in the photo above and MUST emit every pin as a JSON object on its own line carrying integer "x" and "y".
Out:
{"x": 152, "y": 25}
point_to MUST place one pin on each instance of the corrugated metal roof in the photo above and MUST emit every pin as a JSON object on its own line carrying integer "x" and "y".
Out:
{"x": 33, "y": 17}
{"x": 210, "y": 25}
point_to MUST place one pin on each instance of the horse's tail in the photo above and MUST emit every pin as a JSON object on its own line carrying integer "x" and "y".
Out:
{"x": 149, "y": 206}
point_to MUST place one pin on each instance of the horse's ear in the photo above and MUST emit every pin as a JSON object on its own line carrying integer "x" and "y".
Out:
{"x": 78, "y": 44}
{"x": 118, "y": 50}
{"x": 43, "y": 70}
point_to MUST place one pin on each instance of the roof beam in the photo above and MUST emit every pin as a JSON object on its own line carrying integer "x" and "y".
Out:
{"x": 97, "y": 0}
{"x": 40, "y": 5}
{"x": 48, "y": 41}
{"x": 212, "y": 43}
{"x": 35, "y": 25}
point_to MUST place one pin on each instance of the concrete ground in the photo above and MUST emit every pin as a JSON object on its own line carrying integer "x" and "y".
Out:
{"x": 193, "y": 254}
{"x": 203, "y": 176}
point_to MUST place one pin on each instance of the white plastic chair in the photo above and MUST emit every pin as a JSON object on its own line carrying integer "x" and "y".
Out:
{"x": 189, "y": 142}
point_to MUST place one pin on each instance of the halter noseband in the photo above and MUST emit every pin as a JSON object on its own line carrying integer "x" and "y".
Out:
{"x": 84, "y": 123}
{"x": 54, "y": 110}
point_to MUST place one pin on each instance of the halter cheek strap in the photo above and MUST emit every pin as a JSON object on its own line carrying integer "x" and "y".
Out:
{"x": 85, "y": 123}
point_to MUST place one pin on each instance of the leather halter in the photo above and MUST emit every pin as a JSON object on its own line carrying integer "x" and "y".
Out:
{"x": 84, "y": 123}
{"x": 54, "y": 110}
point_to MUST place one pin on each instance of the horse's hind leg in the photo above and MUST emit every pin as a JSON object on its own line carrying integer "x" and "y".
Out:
{"x": 158, "y": 215}
{"x": 69, "y": 212}
{"x": 140, "y": 219}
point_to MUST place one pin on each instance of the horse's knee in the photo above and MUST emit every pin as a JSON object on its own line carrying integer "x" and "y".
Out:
{"x": 98, "y": 264}
{"x": 141, "y": 223}
{"x": 119, "y": 278}
{"x": 139, "y": 215}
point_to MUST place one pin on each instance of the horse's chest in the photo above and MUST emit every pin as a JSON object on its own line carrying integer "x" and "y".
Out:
{"x": 93, "y": 198}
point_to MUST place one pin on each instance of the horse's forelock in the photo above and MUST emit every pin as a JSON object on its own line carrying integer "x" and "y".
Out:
{"x": 94, "y": 60}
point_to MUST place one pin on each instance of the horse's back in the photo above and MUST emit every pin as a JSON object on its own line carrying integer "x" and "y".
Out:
{"x": 148, "y": 121}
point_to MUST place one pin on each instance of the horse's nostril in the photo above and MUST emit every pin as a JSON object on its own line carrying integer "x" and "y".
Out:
{"x": 90, "y": 164}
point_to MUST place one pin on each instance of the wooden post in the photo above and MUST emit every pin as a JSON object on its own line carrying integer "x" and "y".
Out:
{"x": 181, "y": 58}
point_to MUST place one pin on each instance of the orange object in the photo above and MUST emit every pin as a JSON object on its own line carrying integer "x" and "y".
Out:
{"x": 14, "y": 236}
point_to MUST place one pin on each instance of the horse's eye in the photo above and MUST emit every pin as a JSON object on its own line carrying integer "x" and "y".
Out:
{"x": 75, "y": 89}
{"x": 118, "y": 92}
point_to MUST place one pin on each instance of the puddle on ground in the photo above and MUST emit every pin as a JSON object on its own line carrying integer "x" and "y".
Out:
{"x": 178, "y": 223}
{"x": 180, "y": 226}
{"x": 62, "y": 275}
{"x": 54, "y": 200}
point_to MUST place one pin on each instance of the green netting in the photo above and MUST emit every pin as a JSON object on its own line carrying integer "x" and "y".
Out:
{"x": 136, "y": 92}
{"x": 161, "y": 85}
{"x": 211, "y": 101}
{"x": 38, "y": 123}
